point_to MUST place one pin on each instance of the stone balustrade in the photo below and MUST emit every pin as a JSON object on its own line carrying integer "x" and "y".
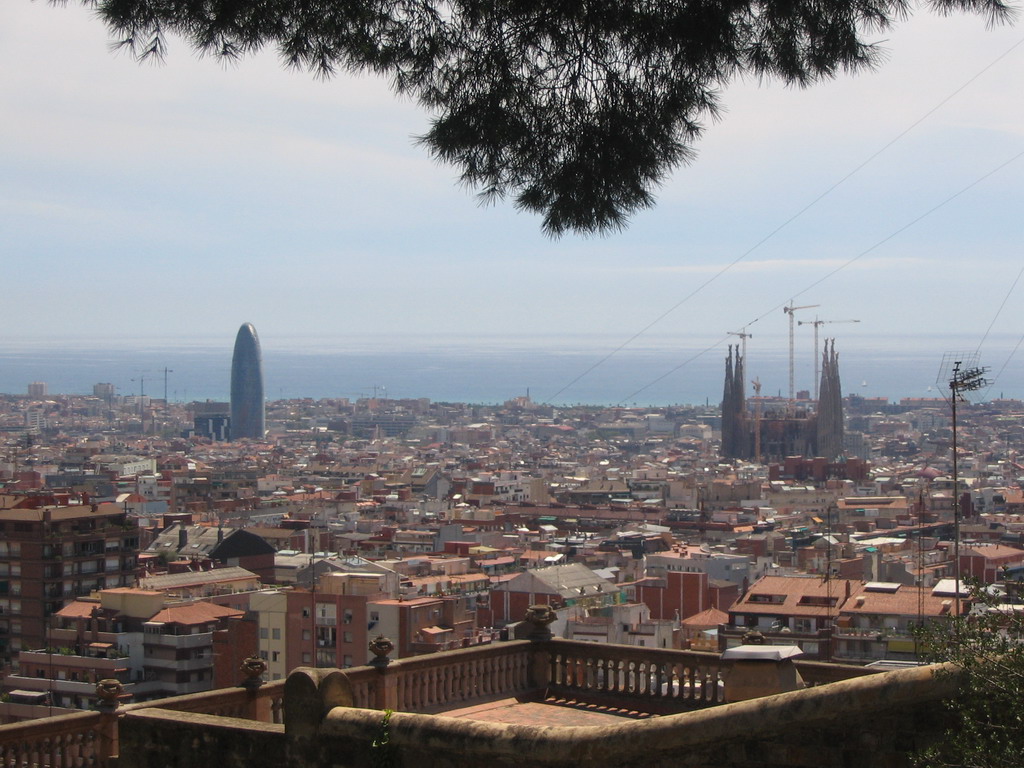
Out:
{"x": 660, "y": 678}
{"x": 862, "y": 722}
{"x": 317, "y": 712}
{"x": 264, "y": 703}
{"x": 91, "y": 738}
{"x": 63, "y": 741}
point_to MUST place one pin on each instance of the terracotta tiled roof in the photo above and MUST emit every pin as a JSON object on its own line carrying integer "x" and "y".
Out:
{"x": 905, "y": 601}
{"x": 712, "y": 617}
{"x": 195, "y": 613}
{"x": 77, "y": 610}
{"x": 795, "y": 596}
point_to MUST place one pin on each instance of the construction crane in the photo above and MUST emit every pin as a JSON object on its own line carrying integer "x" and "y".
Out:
{"x": 817, "y": 359}
{"x": 756, "y": 383}
{"x": 742, "y": 333}
{"x": 789, "y": 311}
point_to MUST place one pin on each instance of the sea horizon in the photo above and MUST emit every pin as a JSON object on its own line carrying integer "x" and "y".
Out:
{"x": 653, "y": 370}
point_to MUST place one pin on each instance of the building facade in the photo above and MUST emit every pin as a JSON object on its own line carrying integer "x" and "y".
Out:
{"x": 52, "y": 551}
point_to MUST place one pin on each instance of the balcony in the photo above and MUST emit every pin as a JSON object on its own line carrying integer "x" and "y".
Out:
{"x": 106, "y": 667}
{"x": 180, "y": 665}
{"x": 85, "y": 689}
{"x": 855, "y": 633}
{"x": 178, "y": 641}
{"x": 507, "y": 705}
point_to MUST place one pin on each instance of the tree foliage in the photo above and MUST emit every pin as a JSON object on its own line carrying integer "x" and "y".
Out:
{"x": 987, "y": 647}
{"x": 577, "y": 108}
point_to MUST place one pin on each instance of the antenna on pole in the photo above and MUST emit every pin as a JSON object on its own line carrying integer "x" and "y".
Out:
{"x": 962, "y": 374}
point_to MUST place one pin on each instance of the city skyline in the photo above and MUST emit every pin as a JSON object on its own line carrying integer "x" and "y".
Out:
{"x": 173, "y": 176}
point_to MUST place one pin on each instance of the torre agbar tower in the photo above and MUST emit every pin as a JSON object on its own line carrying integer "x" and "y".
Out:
{"x": 247, "y": 415}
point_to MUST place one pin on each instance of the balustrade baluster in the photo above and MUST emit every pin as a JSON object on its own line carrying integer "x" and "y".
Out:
{"x": 447, "y": 687}
{"x": 487, "y": 678}
{"x": 277, "y": 709}
{"x": 411, "y": 683}
{"x": 419, "y": 690}
{"x": 75, "y": 750}
{"x": 517, "y": 664}
{"x": 465, "y": 674}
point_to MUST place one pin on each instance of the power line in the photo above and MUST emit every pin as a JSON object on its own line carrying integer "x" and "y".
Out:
{"x": 999, "y": 311}
{"x": 780, "y": 227}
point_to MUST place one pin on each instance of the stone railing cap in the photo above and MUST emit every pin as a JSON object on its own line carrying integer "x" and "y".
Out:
{"x": 762, "y": 652}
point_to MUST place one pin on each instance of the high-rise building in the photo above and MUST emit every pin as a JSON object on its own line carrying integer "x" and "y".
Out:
{"x": 38, "y": 389}
{"x": 52, "y": 550}
{"x": 247, "y": 407}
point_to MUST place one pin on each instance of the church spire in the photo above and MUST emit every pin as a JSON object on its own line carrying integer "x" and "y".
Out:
{"x": 830, "y": 405}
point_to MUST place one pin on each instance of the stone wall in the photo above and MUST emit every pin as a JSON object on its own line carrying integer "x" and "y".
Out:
{"x": 873, "y": 721}
{"x": 868, "y": 722}
{"x": 156, "y": 738}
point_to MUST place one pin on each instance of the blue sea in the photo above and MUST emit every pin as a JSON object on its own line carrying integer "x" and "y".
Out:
{"x": 652, "y": 370}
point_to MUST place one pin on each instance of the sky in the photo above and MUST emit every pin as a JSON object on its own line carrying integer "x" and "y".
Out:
{"x": 178, "y": 200}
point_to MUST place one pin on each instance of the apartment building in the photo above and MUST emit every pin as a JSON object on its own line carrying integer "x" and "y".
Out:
{"x": 53, "y": 550}
{"x": 155, "y": 645}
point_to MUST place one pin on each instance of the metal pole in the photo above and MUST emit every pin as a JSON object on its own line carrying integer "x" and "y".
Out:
{"x": 954, "y": 396}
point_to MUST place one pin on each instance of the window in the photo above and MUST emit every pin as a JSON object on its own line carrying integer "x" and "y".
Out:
{"x": 305, "y": 613}
{"x": 348, "y": 616}
{"x": 275, "y": 655}
{"x": 306, "y": 658}
{"x": 276, "y": 633}
{"x": 348, "y": 637}
{"x": 307, "y": 635}
{"x": 263, "y": 633}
